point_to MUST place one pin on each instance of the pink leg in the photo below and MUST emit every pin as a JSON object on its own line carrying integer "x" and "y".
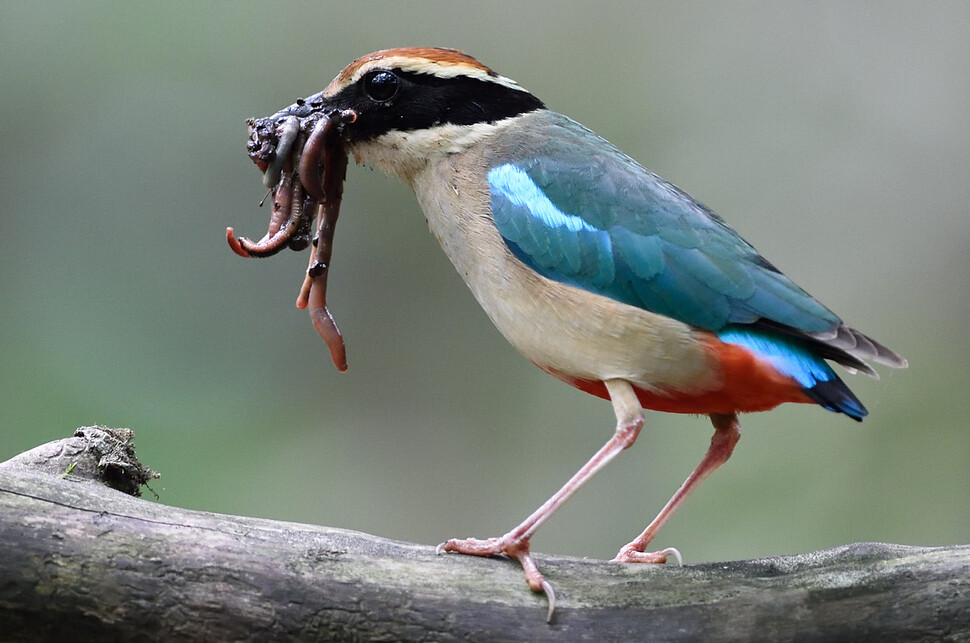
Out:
{"x": 515, "y": 544}
{"x": 727, "y": 432}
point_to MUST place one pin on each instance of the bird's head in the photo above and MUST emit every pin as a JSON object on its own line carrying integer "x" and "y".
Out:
{"x": 402, "y": 107}
{"x": 396, "y": 109}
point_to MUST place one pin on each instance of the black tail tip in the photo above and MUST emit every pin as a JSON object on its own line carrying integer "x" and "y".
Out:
{"x": 835, "y": 396}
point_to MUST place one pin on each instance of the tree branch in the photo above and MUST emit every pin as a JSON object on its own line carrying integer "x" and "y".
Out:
{"x": 82, "y": 561}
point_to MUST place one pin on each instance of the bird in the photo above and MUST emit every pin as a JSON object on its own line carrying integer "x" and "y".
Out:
{"x": 597, "y": 270}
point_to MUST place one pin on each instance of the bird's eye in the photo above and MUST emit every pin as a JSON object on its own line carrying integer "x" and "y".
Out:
{"x": 381, "y": 86}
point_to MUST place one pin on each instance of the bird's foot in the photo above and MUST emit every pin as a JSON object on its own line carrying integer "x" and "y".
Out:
{"x": 512, "y": 547}
{"x": 629, "y": 554}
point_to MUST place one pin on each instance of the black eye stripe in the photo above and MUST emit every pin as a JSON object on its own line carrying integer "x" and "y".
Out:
{"x": 425, "y": 100}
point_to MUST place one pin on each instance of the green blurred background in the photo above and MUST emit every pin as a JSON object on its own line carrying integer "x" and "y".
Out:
{"x": 834, "y": 136}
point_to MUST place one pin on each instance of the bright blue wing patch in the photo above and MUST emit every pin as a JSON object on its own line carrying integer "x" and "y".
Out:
{"x": 545, "y": 237}
{"x": 516, "y": 186}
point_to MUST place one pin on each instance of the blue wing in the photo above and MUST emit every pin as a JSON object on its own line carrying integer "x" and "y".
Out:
{"x": 620, "y": 231}
{"x": 577, "y": 210}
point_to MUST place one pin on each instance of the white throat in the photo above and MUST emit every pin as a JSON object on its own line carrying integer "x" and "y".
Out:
{"x": 405, "y": 153}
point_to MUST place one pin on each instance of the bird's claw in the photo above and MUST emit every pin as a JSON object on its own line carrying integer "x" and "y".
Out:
{"x": 630, "y": 555}
{"x": 512, "y": 547}
{"x": 551, "y": 597}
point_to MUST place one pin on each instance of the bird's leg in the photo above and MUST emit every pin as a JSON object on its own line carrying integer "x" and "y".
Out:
{"x": 515, "y": 544}
{"x": 727, "y": 432}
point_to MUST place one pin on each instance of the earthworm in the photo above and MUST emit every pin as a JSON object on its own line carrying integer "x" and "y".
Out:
{"x": 288, "y": 210}
{"x": 313, "y": 294}
{"x": 314, "y": 189}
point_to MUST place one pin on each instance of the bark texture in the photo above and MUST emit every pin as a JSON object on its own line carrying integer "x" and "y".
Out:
{"x": 82, "y": 561}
